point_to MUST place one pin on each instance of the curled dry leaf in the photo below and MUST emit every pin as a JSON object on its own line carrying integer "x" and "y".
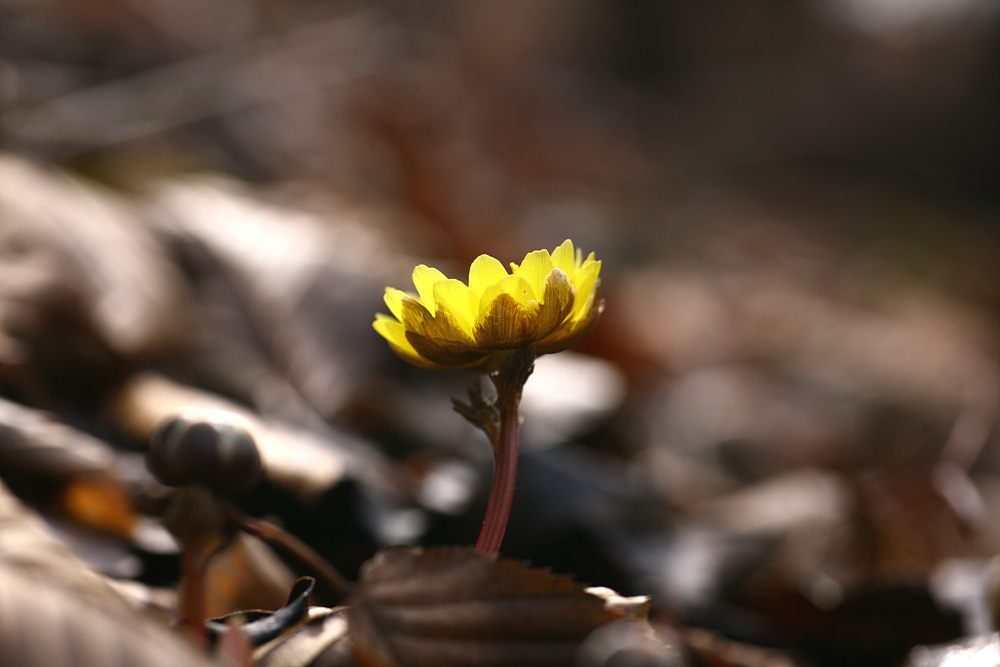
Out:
{"x": 321, "y": 641}
{"x": 293, "y": 636}
{"x": 450, "y": 607}
{"x": 260, "y": 627}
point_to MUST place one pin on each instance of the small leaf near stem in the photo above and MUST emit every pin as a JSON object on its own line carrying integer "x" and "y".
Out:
{"x": 509, "y": 380}
{"x": 480, "y": 411}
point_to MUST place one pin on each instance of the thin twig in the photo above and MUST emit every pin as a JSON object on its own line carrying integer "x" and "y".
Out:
{"x": 279, "y": 537}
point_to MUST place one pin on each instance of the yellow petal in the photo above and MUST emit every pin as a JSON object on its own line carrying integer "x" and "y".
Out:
{"x": 395, "y": 334}
{"x": 438, "y": 339}
{"x": 505, "y": 325}
{"x": 424, "y": 278}
{"x": 416, "y": 318}
{"x": 535, "y": 269}
{"x": 446, "y": 353}
{"x": 448, "y": 327}
{"x": 460, "y": 301}
{"x": 548, "y": 301}
{"x": 564, "y": 258}
{"x": 585, "y": 282}
{"x": 557, "y": 302}
{"x": 485, "y": 271}
{"x": 514, "y": 286}
{"x": 571, "y": 331}
{"x": 390, "y": 329}
{"x": 394, "y": 300}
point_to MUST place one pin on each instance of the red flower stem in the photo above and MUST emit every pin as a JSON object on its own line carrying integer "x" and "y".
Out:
{"x": 509, "y": 380}
{"x": 504, "y": 477}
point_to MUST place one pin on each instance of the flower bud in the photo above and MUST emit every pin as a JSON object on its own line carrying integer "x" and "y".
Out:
{"x": 207, "y": 449}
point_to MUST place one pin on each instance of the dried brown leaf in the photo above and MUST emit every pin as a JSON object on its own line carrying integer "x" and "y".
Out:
{"x": 628, "y": 642}
{"x": 708, "y": 649}
{"x": 56, "y": 611}
{"x": 633, "y": 607}
{"x": 246, "y": 574}
{"x": 293, "y": 458}
{"x": 70, "y": 471}
{"x": 99, "y": 501}
{"x": 450, "y": 607}
{"x": 85, "y": 244}
{"x": 266, "y": 295}
{"x": 35, "y": 444}
{"x": 28, "y": 548}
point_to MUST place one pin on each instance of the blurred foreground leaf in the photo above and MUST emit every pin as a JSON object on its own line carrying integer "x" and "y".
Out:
{"x": 55, "y": 611}
{"x": 456, "y": 606}
{"x": 45, "y": 625}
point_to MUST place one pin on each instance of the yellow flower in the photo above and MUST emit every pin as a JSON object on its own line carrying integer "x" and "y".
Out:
{"x": 549, "y": 302}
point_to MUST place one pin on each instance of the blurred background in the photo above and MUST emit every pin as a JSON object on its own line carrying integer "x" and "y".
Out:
{"x": 784, "y": 426}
